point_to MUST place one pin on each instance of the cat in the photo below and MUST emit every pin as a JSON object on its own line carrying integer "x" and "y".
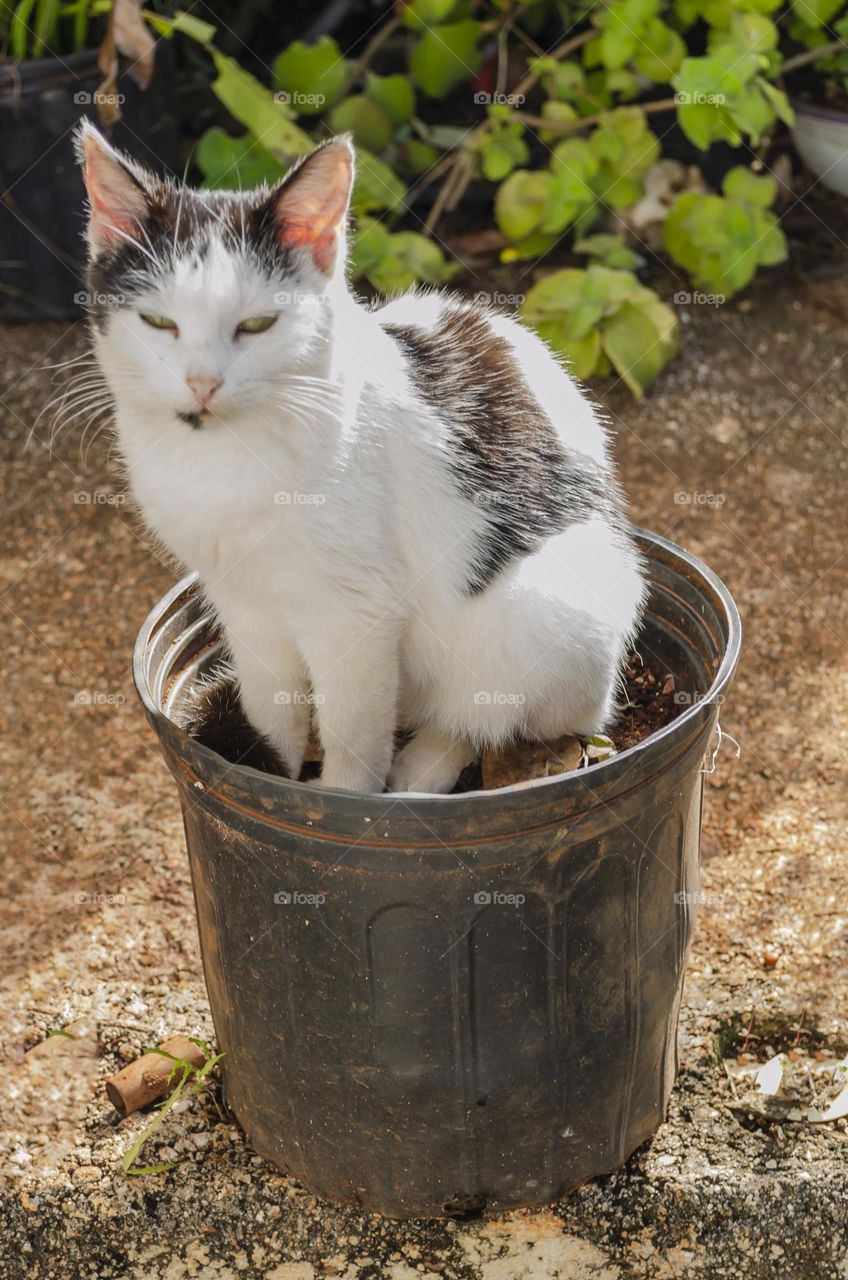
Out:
{"x": 404, "y": 515}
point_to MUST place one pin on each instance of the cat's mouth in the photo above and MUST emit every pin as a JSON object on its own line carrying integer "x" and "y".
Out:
{"x": 194, "y": 420}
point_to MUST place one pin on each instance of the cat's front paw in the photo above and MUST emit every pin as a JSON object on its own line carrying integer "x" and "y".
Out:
{"x": 429, "y": 763}
{"x": 347, "y": 778}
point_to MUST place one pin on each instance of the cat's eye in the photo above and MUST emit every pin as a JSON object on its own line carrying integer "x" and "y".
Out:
{"x": 158, "y": 322}
{"x": 256, "y": 324}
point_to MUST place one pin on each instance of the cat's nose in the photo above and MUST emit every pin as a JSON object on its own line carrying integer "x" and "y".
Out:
{"x": 203, "y": 387}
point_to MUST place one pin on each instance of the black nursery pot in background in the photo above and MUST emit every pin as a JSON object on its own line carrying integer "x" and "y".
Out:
{"x": 430, "y": 1005}
{"x": 42, "y": 254}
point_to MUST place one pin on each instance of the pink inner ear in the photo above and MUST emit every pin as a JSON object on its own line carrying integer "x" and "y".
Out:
{"x": 313, "y": 204}
{"x": 117, "y": 204}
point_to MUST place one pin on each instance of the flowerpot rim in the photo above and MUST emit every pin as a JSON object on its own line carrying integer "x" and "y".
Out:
{"x": 21, "y": 70}
{"x": 818, "y": 111}
{"x": 678, "y": 731}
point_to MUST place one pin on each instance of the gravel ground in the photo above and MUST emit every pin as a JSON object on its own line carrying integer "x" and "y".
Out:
{"x": 739, "y": 454}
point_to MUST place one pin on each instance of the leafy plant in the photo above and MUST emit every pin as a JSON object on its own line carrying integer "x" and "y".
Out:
{"x": 602, "y": 320}
{"x": 48, "y": 28}
{"x": 563, "y": 140}
{"x": 189, "y": 1075}
{"x": 722, "y": 240}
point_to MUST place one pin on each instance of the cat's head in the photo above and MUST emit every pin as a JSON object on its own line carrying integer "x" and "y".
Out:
{"x": 203, "y": 301}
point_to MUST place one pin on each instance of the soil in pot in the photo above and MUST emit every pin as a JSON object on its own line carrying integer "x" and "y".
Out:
{"x": 650, "y": 702}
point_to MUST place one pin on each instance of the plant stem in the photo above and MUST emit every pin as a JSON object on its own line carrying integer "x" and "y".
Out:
{"x": 374, "y": 44}
{"x": 811, "y": 55}
{"x": 460, "y": 171}
{"x": 567, "y": 47}
{"x": 572, "y": 126}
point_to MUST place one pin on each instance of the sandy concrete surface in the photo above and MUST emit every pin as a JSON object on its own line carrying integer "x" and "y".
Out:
{"x": 739, "y": 454}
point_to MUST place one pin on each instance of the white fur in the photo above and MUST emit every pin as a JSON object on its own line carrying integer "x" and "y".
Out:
{"x": 350, "y": 595}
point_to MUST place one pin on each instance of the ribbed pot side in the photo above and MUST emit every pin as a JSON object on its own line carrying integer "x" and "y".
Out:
{"x": 430, "y": 1005}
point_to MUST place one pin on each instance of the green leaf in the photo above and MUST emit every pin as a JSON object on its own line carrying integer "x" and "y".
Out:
{"x": 521, "y": 201}
{"x": 581, "y": 354}
{"x": 369, "y": 245}
{"x": 361, "y": 116}
{"x": 376, "y": 185}
{"x": 772, "y": 247}
{"x": 408, "y": 258}
{"x": 502, "y": 149}
{"x": 660, "y": 55}
{"x": 751, "y": 31}
{"x": 600, "y": 317}
{"x": 557, "y": 113}
{"x": 414, "y": 157}
{"x": 446, "y": 55}
{"x": 19, "y": 29}
{"x": 559, "y": 292}
{"x": 535, "y": 245}
{"x": 394, "y": 94}
{"x": 698, "y": 121}
{"x": 185, "y": 24}
{"x": 634, "y": 347}
{"x": 610, "y": 250}
{"x": 235, "y": 163}
{"x": 428, "y": 13}
{"x": 313, "y": 75}
{"x": 564, "y": 81}
{"x": 816, "y": 13}
{"x": 721, "y": 241}
{"x": 780, "y": 104}
{"x": 253, "y": 105}
{"x": 745, "y": 187}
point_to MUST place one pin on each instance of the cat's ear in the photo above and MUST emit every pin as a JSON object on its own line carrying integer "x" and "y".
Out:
{"x": 118, "y": 203}
{"x": 310, "y": 205}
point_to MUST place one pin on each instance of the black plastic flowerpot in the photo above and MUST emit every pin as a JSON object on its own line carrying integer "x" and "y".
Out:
{"x": 42, "y": 252}
{"x": 433, "y": 1004}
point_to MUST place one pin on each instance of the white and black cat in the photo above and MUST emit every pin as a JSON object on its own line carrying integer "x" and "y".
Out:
{"x": 403, "y": 515}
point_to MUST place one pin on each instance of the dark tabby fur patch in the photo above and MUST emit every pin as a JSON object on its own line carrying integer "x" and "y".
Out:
{"x": 215, "y": 718}
{"x": 508, "y": 459}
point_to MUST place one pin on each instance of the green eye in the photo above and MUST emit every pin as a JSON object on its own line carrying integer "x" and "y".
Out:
{"x": 256, "y": 324}
{"x": 158, "y": 322}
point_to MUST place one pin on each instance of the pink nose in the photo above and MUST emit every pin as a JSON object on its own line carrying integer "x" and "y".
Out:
{"x": 203, "y": 387}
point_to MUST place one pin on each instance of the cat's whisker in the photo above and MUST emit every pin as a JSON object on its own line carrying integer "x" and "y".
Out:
{"x": 94, "y": 404}
{"x": 71, "y": 393}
